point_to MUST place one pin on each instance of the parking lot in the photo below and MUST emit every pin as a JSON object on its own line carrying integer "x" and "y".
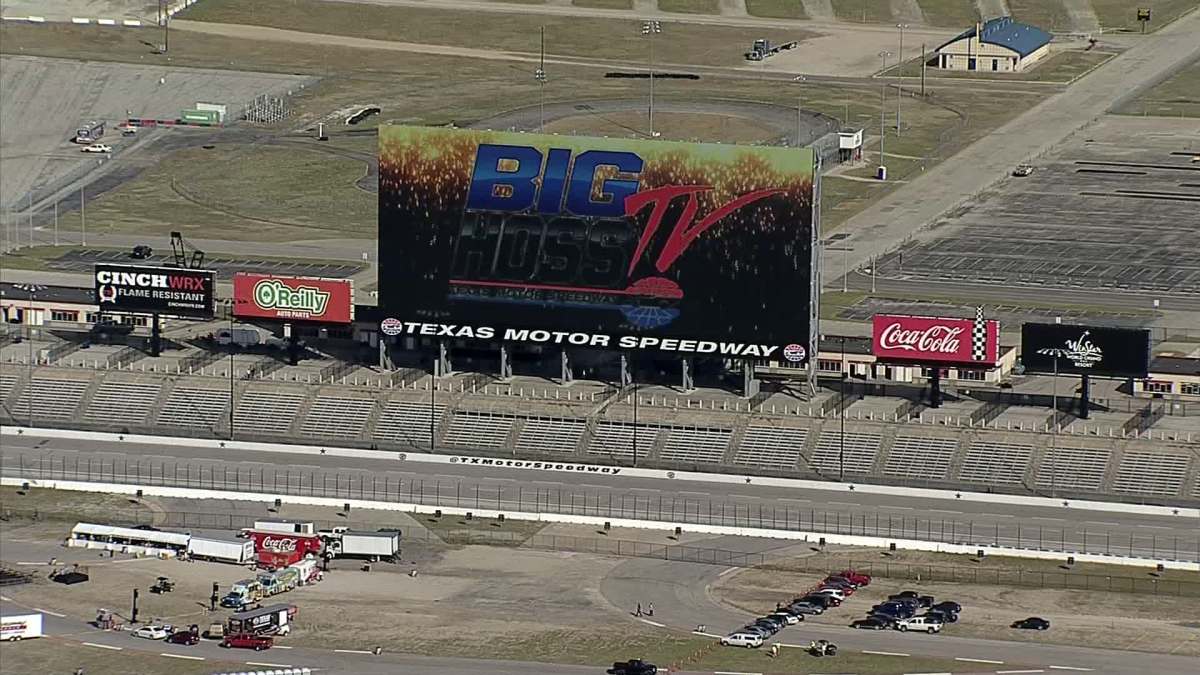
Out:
{"x": 1113, "y": 207}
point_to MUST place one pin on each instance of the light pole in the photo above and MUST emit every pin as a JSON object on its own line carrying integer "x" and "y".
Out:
{"x": 650, "y": 29}
{"x": 882, "y": 114}
{"x": 232, "y": 344}
{"x": 899, "y": 75}
{"x": 842, "y": 416}
{"x": 1055, "y": 353}
{"x": 31, "y": 289}
{"x": 799, "y": 109}
{"x": 540, "y": 76}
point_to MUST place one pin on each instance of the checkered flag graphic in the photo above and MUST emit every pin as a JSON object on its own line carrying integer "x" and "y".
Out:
{"x": 979, "y": 336}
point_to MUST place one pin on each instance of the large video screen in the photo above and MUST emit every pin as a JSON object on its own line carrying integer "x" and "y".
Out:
{"x": 607, "y": 243}
{"x": 1085, "y": 350}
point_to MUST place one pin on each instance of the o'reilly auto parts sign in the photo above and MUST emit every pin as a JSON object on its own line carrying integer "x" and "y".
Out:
{"x": 142, "y": 289}
{"x": 1085, "y": 350}
{"x": 268, "y": 296}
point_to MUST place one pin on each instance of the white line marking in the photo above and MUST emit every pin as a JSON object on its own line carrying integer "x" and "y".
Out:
{"x": 5, "y": 598}
{"x": 1101, "y": 522}
{"x": 731, "y": 570}
{"x": 182, "y": 656}
{"x": 46, "y": 611}
{"x": 929, "y": 674}
{"x": 942, "y": 511}
{"x": 842, "y": 504}
{"x": 93, "y": 644}
{"x": 282, "y": 647}
{"x": 268, "y": 665}
{"x": 902, "y": 508}
{"x": 1086, "y": 670}
{"x": 998, "y": 515}
{"x": 652, "y": 623}
{"x": 732, "y": 672}
{"x": 963, "y": 658}
{"x": 1015, "y": 672}
{"x": 352, "y": 651}
{"x": 31, "y": 563}
{"x": 885, "y": 653}
{"x": 696, "y": 632}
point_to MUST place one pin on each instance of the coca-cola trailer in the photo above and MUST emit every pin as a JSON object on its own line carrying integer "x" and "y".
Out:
{"x": 275, "y": 550}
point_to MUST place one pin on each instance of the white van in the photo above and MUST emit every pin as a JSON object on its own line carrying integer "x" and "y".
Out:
{"x": 923, "y": 623}
{"x": 20, "y": 627}
{"x": 742, "y": 640}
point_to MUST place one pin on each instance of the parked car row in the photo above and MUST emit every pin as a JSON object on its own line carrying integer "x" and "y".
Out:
{"x": 900, "y": 612}
{"x": 190, "y": 636}
{"x": 831, "y": 592}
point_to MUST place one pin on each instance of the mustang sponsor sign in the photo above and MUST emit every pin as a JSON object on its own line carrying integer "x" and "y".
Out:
{"x": 155, "y": 290}
{"x": 1085, "y": 350}
{"x": 535, "y": 466}
{"x": 266, "y": 296}
{"x": 926, "y": 339}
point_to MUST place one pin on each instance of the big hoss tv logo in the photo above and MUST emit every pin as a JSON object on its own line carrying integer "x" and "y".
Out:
{"x": 274, "y": 295}
{"x": 537, "y": 222}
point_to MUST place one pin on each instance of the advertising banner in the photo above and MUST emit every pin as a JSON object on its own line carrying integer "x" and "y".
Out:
{"x": 1085, "y": 350}
{"x": 142, "y": 289}
{"x": 669, "y": 247}
{"x": 287, "y": 298}
{"x": 927, "y": 339}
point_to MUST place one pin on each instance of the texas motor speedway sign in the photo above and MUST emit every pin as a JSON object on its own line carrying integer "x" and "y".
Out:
{"x": 535, "y": 466}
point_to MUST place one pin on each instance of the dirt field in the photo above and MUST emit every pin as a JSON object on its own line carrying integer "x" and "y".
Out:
{"x": 673, "y": 126}
{"x": 1153, "y": 623}
{"x": 62, "y": 656}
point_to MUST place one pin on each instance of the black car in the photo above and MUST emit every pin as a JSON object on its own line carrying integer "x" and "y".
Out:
{"x": 801, "y": 608}
{"x": 1032, "y": 623}
{"x": 896, "y": 610}
{"x": 925, "y": 600}
{"x": 141, "y": 252}
{"x": 824, "y": 601}
{"x": 633, "y": 667}
{"x": 771, "y": 621}
{"x": 904, "y": 594}
{"x": 941, "y": 615}
{"x": 947, "y": 606}
{"x": 872, "y": 623}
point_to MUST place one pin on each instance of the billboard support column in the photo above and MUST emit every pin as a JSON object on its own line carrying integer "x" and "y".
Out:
{"x": 626, "y": 377}
{"x": 505, "y": 363}
{"x": 1085, "y": 390}
{"x": 384, "y": 362}
{"x": 442, "y": 366}
{"x": 935, "y": 387}
{"x": 688, "y": 382}
{"x": 567, "y": 375}
{"x": 750, "y": 383}
{"x": 155, "y": 335}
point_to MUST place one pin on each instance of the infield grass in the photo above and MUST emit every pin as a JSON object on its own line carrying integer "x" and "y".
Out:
{"x": 1122, "y": 14}
{"x": 604, "y": 4}
{"x": 776, "y": 9}
{"x": 1176, "y": 96}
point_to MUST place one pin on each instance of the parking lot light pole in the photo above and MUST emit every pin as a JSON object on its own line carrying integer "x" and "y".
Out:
{"x": 649, "y": 30}
{"x": 231, "y": 364}
{"x": 882, "y": 113}
{"x": 540, "y": 76}
{"x": 31, "y": 289}
{"x": 842, "y": 416}
{"x": 899, "y": 75}
{"x": 1055, "y": 353}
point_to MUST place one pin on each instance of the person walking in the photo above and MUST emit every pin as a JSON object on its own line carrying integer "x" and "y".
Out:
{"x": 639, "y": 610}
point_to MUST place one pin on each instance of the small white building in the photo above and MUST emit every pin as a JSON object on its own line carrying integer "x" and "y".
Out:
{"x": 1000, "y": 45}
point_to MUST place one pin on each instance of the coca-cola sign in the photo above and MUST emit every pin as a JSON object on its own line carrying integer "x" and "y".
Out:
{"x": 279, "y": 544}
{"x": 925, "y": 339}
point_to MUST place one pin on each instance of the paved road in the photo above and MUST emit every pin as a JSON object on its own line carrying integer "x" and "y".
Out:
{"x": 681, "y": 601}
{"x": 750, "y": 505}
{"x": 912, "y": 208}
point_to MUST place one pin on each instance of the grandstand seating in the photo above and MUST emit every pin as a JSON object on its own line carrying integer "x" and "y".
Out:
{"x": 194, "y": 407}
{"x": 544, "y": 434}
{"x": 52, "y": 398}
{"x": 696, "y": 445}
{"x": 268, "y": 411}
{"x": 920, "y": 457}
{"x": 861, "y": 449}
{"x": 996, "y": 462}
{"x": 128, "y": 402}
{"x": 771, "y": 447}
{"x": 407, "y": 423}
{"x": 478, "y": 430}
{"x": 337, "y": 416}
{"x": 1152, "y": 473}
{"x": 6, "y": 385}
{"x": 1073, "y": 469}
{"x": 615, "y": 439}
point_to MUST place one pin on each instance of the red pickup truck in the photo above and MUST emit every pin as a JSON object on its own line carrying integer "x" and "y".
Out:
{"x": 247, "y": 641}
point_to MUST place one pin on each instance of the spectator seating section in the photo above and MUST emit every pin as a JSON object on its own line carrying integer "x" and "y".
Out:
{"x": 52, "y": 399}
{"x": 996, "y": 462}
{"x": 920, "y": 457}
{"x": 478, "y": 430}
{"x": 696, "y": 445}
{"x": 771, "y": 447}
{"x": 194, "y": 407}
{"x": 544, "y": 434}
{"x": 615, "y": 439}
{"x": 1072, "y": 469}
{"x": 6, "y": 385}
{"x": 407, "y": 424}
{"x": 861, "y": 449}
{"x": 128, "y": 402}
{"x": 339, "y": 416}
{"x": 1151, "y": 473}
{"x": 268, "y": 411}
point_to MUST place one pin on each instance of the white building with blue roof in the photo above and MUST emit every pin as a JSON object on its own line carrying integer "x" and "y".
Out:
{"x": 1000, "y": 45}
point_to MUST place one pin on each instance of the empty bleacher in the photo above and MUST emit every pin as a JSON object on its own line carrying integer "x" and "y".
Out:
{"x": 267, "y": 411}
{"x": 696, "y": 445}
{"x": 408, "y": 423}
{"x": 615, "y": 439}
{"x": 123, "y": 402}
{"x": 52, "y": 398}
{"x": 478, "y": 430}
{"x": 1151, "y": 473}
{"x": 920, "y": 457}
{"x": 338, "y": 416}
{"x": 996, "y": 462}
{"x": 6, "y": 385}
{"x": 1073, "y": 469}
{"x": 194, "y": 407}
{"x": 861, "y": 449}
{"x": 544, "y": 434}
{"x": 771, "y": 447}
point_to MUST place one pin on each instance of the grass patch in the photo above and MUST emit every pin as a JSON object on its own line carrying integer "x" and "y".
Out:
{"x": 60, "y": 655}
{"x": 690, "y": 6}
{"x": 459, "y": 530}
{"x": 590, "y": 37}
{"x": 41, "y": 504}
{"x": 39, "y": 257}
{"x": 863, "y": 11}
{"x": 604, "y": 4}
{"x": 1122, "y": 14}
{"x": 1176, "y": 96}
{"x": 1045, "y": 14}
{"x": 776, "y": 9}
{"x": 956, "y": 13}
